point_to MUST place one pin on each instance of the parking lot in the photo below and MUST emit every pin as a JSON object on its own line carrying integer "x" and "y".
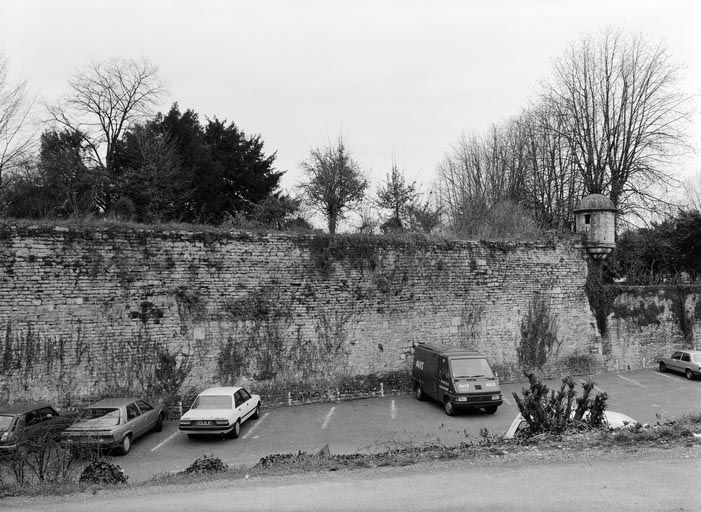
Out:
{"x": 376, "y": 424}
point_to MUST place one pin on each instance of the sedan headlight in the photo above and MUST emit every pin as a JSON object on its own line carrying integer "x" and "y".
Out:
{"x": 221, "y": 422}
{"x": 185, "y": 422}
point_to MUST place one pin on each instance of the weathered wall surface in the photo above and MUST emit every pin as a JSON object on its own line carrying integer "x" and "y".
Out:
{"x": 87, "y": 313}
{"x": 647, "y": 322}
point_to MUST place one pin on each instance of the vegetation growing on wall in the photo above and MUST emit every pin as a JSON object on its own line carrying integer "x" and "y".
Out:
{"x": 538, "y": 334}
{"x": 601, "y": 295}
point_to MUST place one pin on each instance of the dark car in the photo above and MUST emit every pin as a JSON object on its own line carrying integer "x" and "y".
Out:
{"x": 114, "y": 423}
{"x": 27, "y": 424}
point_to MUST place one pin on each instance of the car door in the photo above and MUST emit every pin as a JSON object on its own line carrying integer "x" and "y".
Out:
{"x": 148, "y": 415}
{"x": 49, "y": 423}
{"x": 685, "y": 361}
{"x": 675, "y": 362}
{"x": 238, "y": 405}
{"x": 247, "y": 402}
{"x": 134, "y": 420}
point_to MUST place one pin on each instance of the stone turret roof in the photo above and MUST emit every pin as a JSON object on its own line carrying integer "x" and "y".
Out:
{"x": 595, "y": 202}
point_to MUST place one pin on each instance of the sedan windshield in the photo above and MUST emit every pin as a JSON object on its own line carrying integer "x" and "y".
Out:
{"x": 5, "y": 422}
{"x": 470, "y": 368}
{"x": 107, "y": 415}
{"x": 212, "y": 402}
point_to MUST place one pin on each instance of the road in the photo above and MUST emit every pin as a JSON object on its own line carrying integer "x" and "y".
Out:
{"x": 368, "y": 425}
{"x": 617, "y": 484}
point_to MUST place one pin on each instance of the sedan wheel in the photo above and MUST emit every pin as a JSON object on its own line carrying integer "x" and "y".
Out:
{"x": 256, "y": 414}
{"x": 688, "y": 374}
{"x": 234, "y": 432}
{"x": 663, "y": 367}
{"x": 126, "y": 445}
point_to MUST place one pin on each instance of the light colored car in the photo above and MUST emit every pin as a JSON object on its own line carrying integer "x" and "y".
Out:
{"x": 114, "y": 423}
{"x": 614, "y": 420}
{"x": 220, "y": 411}
{"x": 687, "y": 362}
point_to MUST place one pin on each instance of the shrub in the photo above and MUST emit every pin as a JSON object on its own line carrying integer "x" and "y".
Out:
{"x": 103, "y": 472}
{"x": 207, "y": 464}
{"x": 552, "y": 412}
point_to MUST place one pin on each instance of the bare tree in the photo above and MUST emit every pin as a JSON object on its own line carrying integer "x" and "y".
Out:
{"x": 692, "y": 190}
{"x": 334, "y": 182}
{"x": 621, "y": 112}
{"x": 550, "y": 186}
{"x": 16, "y": 134}
{"x": 105, "y": 99}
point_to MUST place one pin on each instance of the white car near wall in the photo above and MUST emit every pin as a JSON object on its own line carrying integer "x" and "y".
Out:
{"x": 220, "y": 411}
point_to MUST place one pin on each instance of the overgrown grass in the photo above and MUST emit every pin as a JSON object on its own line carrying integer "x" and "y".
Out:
{"x": 664, "y": 435}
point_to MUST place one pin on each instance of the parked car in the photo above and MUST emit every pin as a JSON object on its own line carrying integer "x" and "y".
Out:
{"x": 458, "y": 379}
{"x": 687, "y": 362}
{"x": 114, "y": 423}
{"x": 220, "y": 411}
{"x": 614, "y": 420}
{"x": 26, "y": 424}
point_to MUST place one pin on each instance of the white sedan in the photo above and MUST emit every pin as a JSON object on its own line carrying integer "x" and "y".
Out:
{"x": 220, "y": 411}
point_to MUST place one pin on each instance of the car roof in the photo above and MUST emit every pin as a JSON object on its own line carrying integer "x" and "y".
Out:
{"x": 113, "y": 402}
{"x": 22, "y": 408}
{"x": 230, "y": 390}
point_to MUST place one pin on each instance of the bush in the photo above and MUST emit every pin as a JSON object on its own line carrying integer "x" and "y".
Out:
{"x": 553, "y": 412}
{"x": 103, "y": 472}
{"x": 207, "y": 464}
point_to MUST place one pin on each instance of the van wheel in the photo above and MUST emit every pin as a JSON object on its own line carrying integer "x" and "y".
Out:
{"x": 490, "y": 409}
{"x": 449, "y": 408}
{"x": 419, "y": 393}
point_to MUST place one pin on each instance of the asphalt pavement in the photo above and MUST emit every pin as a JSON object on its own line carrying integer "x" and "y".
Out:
{"x": 376, "y": 424}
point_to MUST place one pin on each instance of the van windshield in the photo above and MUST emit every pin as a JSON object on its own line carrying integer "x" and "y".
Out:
{"x": 470, "y": 368}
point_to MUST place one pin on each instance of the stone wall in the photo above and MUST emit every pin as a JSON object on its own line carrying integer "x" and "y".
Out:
{"x": 93, "y": 312}
{"x": 647, "y": 322}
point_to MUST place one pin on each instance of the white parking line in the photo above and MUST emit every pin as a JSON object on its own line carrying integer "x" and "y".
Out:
{"x": 255, "y": 426}
{"x": 164, "y": 441}
{"x": 633, "y": 381}
{"x": 393, "y": 410}
{"x": 666, "y": 376}
{"x": 328, "y": 418}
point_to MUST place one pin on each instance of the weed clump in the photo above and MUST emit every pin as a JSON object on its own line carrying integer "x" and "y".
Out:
{"x": 207, "y": 464}
{"x": 103, "y": 472}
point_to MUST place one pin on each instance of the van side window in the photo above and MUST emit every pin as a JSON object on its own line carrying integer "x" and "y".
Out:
{"x": 443, "y": 373}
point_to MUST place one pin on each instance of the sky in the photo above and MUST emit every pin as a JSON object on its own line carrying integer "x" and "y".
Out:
{"x": 400, "y": 79}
